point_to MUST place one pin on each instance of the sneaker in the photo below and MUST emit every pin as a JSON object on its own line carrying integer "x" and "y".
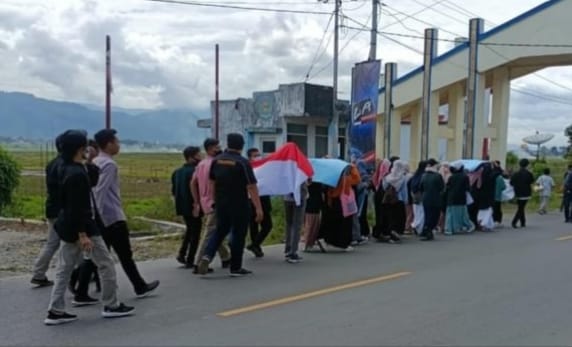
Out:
{"x": 55, "y": 318}
{"x": 181, "y": 260}
{"x": 240, "y": 272}
{"x": 119, "y": 311}
{"x": 45, "y": 282}
{"x": 84, "y": 301}
{"x": 149, "y": 289}
{"x": 203, "y": 266}
{"x": 293, "y": 259}
{"x": 349, "y": 249}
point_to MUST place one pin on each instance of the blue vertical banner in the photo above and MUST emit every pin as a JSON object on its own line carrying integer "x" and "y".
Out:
{"x": 365, "y": 97}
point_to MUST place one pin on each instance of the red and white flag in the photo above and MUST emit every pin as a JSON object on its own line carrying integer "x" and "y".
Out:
{"x": 283, "y": 172}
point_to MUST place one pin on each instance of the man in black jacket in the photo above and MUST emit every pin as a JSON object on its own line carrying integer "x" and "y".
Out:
{"x": 52, "y": 244}
{"x": 181, "y": 191}
{"x": 521, "y": 181}
{"x": 77, "y": 228}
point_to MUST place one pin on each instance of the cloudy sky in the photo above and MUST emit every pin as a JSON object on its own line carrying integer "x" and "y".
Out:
{"x": 163, "y": 54}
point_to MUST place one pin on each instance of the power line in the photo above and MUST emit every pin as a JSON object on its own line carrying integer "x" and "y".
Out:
{"x": 401, "y": 22}
{"x": 412, "y": 16}
{"x": 234, "y": 7}
{"x": 441, "y": 12}
{"x": 316, "y": 58}
{"x": 426, "y": 8}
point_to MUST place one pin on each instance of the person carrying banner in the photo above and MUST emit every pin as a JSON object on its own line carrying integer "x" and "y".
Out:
{"x": 259, "y": 231}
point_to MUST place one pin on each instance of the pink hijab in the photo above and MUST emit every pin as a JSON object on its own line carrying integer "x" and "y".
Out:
{"x": 381, "y": 172}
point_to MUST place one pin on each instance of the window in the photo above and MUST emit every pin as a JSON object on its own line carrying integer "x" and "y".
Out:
{"x": 268, "y": 146}
{"x": 321, "y": 145}
{"x": 298, "y": 133}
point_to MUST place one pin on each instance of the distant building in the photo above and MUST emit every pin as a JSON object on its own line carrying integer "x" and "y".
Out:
{"x": 299, "y": 113}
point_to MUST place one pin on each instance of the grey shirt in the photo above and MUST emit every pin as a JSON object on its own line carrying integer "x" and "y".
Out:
{"x": 107, "y": 195}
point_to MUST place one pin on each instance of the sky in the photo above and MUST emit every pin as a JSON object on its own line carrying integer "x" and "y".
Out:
{"x": 163, "y": 54}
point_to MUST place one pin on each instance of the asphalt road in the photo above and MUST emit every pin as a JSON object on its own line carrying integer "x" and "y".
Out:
{"x": 510, "y": 287}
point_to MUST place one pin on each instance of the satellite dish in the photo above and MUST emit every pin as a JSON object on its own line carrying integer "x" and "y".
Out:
{"x": 538, "y": 139}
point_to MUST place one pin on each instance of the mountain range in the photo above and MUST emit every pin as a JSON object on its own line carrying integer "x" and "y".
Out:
{"x": 26, "y": 116}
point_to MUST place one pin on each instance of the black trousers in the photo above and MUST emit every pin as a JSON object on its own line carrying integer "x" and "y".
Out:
{"x": 432, "y": 214}
{"x": 378, "y": 227}
{"x": 567, "y": 200}
{"x": 191, "y": 239}
{"x": 363, "y": 222}
{"x": 229, "y": 219}
{"x": 116, "y": 236}
{"x": 497, "y": 212}
{"x": 520, "y": 215}
{"x": 82, "y": 276}
{"x": 259, "y": 232}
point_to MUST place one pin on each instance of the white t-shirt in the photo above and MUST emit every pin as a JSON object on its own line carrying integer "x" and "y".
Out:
{"x": 546, "y": 183}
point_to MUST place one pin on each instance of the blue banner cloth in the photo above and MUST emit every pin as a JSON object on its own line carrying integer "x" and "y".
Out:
{"x": 328, "y": 171}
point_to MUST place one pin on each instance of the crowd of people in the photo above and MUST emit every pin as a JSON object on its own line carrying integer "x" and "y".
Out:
{"x": 216, "y": 195}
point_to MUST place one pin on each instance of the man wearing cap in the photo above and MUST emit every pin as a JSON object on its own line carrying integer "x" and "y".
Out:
{"x": 232, "y": 179}
{"x": 112, "y": 217}
{"x": 432, "y": 186}
{"x": 79, "y": 233}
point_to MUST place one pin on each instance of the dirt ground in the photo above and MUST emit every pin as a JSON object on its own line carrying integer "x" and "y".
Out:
{"x": 20, "y": 244}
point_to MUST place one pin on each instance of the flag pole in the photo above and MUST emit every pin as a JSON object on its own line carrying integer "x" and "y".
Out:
{"x": 107, "y": 82}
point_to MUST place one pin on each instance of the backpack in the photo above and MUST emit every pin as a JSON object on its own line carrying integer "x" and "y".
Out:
{"x": 390, "y": 196}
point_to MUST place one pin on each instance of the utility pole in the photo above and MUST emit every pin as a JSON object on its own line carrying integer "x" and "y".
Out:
{"x": 107, "y": 82}
{"x": 373, "y": 41}
{"x": 217, "y": 102}
{"x": 334, "y": 125}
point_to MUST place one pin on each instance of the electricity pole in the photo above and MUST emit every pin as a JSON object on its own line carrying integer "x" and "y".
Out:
{"x": 373, "y": 41}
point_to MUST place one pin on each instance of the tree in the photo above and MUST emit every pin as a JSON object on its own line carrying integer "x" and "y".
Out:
{"x": 9, "y": 178}
{"x": 511, "y": 160}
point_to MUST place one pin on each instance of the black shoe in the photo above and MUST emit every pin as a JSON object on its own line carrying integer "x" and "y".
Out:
{"x": 394, "y": 237}
{"x": 514, "y": 226}
{"x": 196, "y": 270}
{"x": 84, "y": 301}
{"x": 181, "y": 260}
{"x": 119, "y": 311}
{"x": 240, "y": 272}
{"x": 149, "y": 289}
{"x": 54, "y": 318}
{"x": 256, "y": 250}
{"x": 42, "y": 282}
{"x": 225, "y": 264}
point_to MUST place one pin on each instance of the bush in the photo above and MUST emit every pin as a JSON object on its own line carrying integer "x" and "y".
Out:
{"x": 511, "y": 161}
{"x": 9, "y": 178}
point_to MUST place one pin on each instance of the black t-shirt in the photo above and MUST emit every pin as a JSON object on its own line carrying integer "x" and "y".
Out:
{"x": 315, "y": 198}
{"x": 232, "y": 173}
{"x": 53, "y": 203}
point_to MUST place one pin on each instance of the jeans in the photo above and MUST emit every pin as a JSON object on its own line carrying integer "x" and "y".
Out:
{"x": 544, "y": 203}
{"x": 259, "y": 232}
{"x": 209, "y": 228}
{"x": 294, "y": 219}
{"x": 70, "y": 254}
{"x": 116, "y": 236}
{"x": 520, "y": 215}
{"x": 497, "y": 212}
{"x": 432, "y": 214}
{"x": 47, "y": 253}
{"x": 228, "y": 218}
{"x": 191, "y": 240}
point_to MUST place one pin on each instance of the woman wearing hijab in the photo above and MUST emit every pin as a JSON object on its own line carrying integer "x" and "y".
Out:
{"x": 445, "y": 172}
{"x": 381, "y": 171}
{"x": 486, "y": 198}
{"x": 409, "y": 203}
{"x": 457, "y": 216}
{"x": 414, "y": 189}
{"x": 432, "y": 186}
{"x": 336, "y": 229}
{"x": 393, "y": 203}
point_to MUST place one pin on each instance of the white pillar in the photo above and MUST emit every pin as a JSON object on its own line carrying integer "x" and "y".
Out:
{"x": 415, "y": 136}
{"x": 456, "y": 122}
{"x": 433, "y": 141}
{"x": 501, "y": 102}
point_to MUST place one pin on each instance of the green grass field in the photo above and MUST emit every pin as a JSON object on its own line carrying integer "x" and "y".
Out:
{"x": 145, "y": 188}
